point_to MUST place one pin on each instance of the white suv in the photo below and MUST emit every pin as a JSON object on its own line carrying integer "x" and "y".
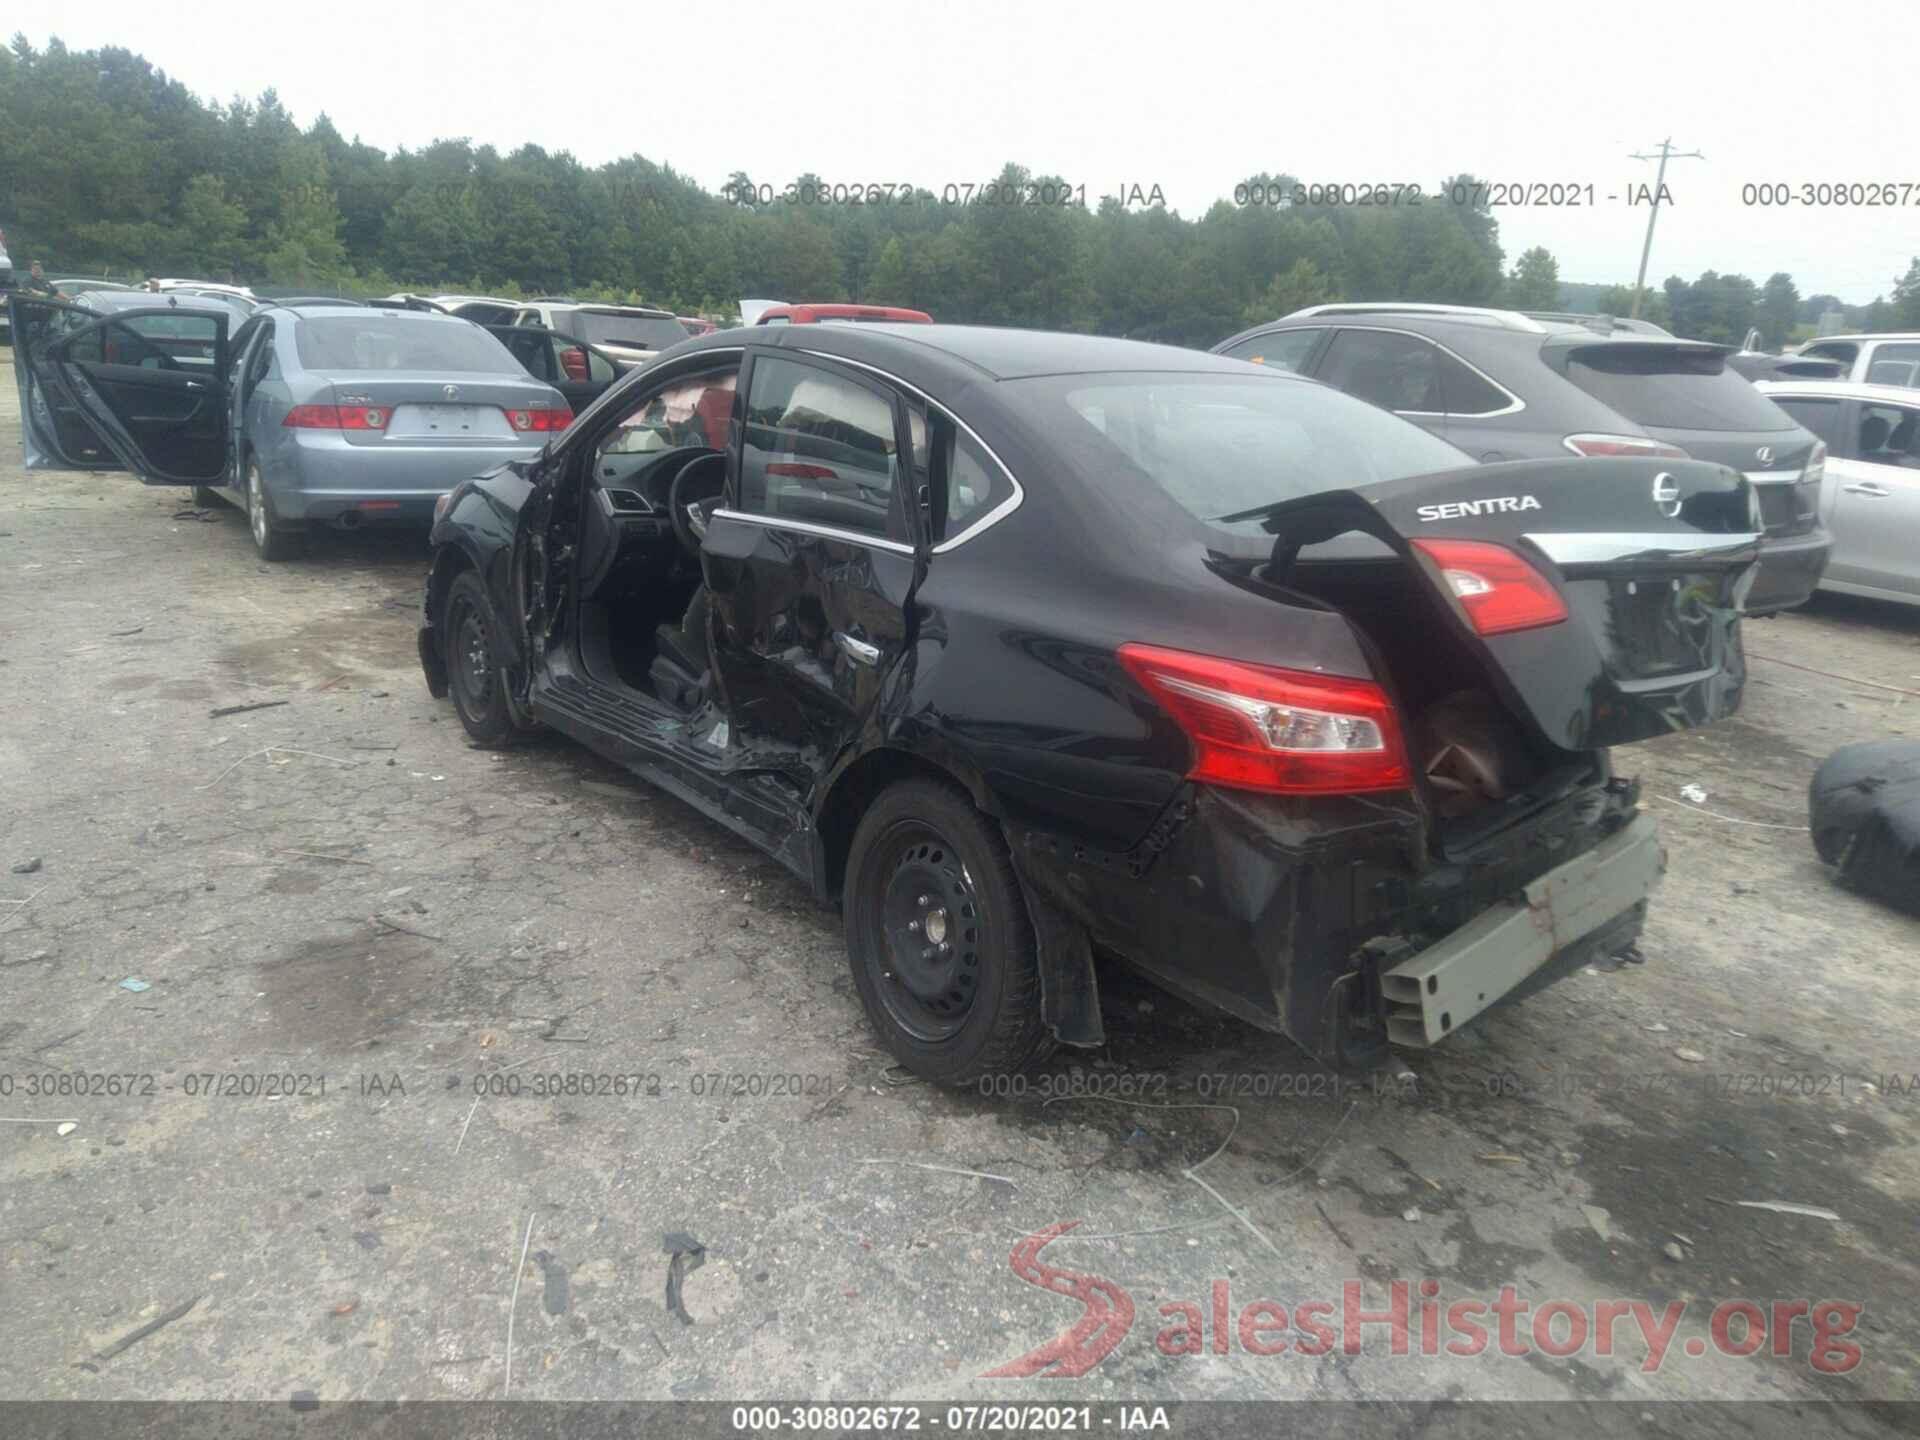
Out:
{"x": 1871, "y": 359}
{"x": 631, "y": 334}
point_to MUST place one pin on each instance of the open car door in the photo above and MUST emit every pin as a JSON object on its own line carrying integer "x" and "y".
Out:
{"x": 142, "y": 389}
{"x": 55, "y": 434}
{"x": 574, "y": 368}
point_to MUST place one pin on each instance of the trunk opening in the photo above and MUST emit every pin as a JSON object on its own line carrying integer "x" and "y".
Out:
{"x": 1478, "y": 767}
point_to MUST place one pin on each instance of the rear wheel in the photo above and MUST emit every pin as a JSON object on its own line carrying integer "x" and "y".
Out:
{"x": 271, "y": 538}
{"x": 942, "y": 949}
{"x": 474, "y": 658}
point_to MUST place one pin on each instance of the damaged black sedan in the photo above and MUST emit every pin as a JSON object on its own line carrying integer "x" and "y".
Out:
{"x": 1025, "y": 648}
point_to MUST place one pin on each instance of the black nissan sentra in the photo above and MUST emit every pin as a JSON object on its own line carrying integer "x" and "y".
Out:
{"x": 1024, "y": 648}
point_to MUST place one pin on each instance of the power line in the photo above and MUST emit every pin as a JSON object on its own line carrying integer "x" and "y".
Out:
{"x": 1667, "y": 152}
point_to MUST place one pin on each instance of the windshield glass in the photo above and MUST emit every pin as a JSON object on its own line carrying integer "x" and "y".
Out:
{"x": 635, "y": 332}
{"x": 1220, "y": 445}
{"x": 1673, "y": 389}
{"x": 373, "y": 340}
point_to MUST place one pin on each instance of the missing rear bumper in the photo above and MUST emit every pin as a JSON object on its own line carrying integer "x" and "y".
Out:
{"x": 1437, "y": 991}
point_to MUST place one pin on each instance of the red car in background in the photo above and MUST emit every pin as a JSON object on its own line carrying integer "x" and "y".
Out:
{"x": 841, "y": 315}
{"x": 694, "y": 325}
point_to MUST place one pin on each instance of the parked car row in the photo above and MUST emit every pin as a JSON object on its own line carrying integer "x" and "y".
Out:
{"x": 1315, "y": 729}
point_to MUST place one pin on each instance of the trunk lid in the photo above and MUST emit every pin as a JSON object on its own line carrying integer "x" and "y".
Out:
{"x": 437, "y": 408}
{"x": 1651, "y": 558}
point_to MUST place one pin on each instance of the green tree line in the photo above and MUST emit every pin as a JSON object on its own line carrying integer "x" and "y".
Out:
{"x": 110, "y": 166}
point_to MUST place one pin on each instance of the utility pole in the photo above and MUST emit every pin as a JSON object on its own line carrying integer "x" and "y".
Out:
{"x": 1667, "y": 152}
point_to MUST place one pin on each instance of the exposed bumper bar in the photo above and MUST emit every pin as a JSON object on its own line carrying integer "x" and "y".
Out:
{"x": 1451, "y": 981}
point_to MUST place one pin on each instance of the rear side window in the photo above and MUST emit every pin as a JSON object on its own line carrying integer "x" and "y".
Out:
{"x": 1890, "y": 435}
{"x": 372, "y": 340}
{"x": 1894, "y": 365}
{"x": 1280, "y": 349}
{"x": 820, "y": 447}
{"x": 1822, "y": 417}
{"x": 1673, "y": 389}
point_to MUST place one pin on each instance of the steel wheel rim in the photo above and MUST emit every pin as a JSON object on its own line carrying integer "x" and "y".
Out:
{"x": 470, "y": 657}
{"x": 256, "y": 506}
{"x": 925, "y": 923}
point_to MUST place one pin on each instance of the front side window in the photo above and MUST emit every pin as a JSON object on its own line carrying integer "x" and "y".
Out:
{"x": 1279, "y": 349}
{"x": 692, "y": 410}
{"x": 820, "y": 447}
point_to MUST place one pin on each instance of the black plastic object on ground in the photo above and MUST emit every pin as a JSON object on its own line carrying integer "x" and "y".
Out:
{"x": 1864, "y": 808}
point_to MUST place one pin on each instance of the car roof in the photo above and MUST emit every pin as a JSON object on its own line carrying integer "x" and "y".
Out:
{"x": 835, "y": 310}
{"x": 147, "y": 300}
{"x": 973, "y": 352}
{"x": 645, "y": 312}
{"x": 1904, "y": 335}
{"x": 1840, "y": 390}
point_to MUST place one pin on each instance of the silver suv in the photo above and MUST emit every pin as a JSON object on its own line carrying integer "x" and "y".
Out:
{"x": 1503, "y": 385}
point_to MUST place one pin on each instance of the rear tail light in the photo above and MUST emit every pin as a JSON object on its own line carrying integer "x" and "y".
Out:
{"x": 1289, "y": 732}
{"x": 538, "y": 419}
{"x": 337, "y": 417}
{"x": 1622, "y": 445}
{"x": 1498, "y": 589}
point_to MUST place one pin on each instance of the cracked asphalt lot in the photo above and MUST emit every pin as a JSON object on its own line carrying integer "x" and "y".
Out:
{"x": 337, "y": 891}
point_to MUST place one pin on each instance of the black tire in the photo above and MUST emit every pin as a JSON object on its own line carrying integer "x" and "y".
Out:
{"x": 938, "y": 935}
{"x": 472, "y": 650}
{"x": 271, "y": 537}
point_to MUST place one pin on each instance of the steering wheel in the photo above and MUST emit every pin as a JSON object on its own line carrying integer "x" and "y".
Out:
{"x": 691, "y": 496}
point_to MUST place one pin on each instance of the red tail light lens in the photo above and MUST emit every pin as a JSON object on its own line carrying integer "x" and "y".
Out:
{"x": 1622, "y": 445}
{"x": 1287, "y": 732}
{"x": 1498, "y": 589}
{"x": 337, "y": 417}
{"x": 539, "y": 419}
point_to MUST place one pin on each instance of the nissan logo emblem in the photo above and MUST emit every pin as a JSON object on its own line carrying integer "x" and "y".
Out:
{"x": 452, "y": 392}
{"x": 1666, "y": 495}
{"x": 1764, "y": 454}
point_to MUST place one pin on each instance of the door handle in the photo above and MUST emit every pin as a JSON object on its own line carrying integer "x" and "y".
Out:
{"x": 858, "y": 651}
{"x": 1866, "y": 488}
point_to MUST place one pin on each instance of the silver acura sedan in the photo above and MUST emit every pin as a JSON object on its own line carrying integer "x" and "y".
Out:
{"x": 308, "y": 413}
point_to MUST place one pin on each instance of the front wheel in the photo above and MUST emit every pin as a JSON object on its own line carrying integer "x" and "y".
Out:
{"x": 474, "y": 659}
{"x": 938, "y": 935}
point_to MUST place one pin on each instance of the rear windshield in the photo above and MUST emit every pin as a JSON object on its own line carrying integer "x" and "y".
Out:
{"x": 636, "y": 332}
{"x": 1668, "y": 389}
{"x": 1218, "y": 445}
{"x": 371, "y": 340}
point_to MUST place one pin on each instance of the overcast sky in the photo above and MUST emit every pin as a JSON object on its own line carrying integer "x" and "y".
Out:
{"x": 1191, "y": 97}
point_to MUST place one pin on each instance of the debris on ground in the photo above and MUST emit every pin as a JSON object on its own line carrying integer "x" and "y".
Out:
{"x": 1788, "y": 1207}
{"x": 1597, "y": 1218}
{"x": 134, "y": 1337}
{"x": 1411, "y": 1214}
{"x": 65, "y": 1127}
{"x": 27, "y": 866}
{"x": 1692, "y": 1057}
{"x": 1673, "y": 1251}
{"x": 135, "y": 984}
{"x": 226, "y": 710}
{"x": 688, "y": 1255}
{"x": 1697, "y": 794}
{"x": 555, "y": 1297}
{"x": 1864, "y": 811}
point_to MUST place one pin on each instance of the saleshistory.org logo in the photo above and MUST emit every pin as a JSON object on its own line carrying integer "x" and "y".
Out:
{"x": 1416, "y": 1318}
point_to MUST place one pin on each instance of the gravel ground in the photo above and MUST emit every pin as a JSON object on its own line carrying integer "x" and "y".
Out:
{"x": 337, "y": 889}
